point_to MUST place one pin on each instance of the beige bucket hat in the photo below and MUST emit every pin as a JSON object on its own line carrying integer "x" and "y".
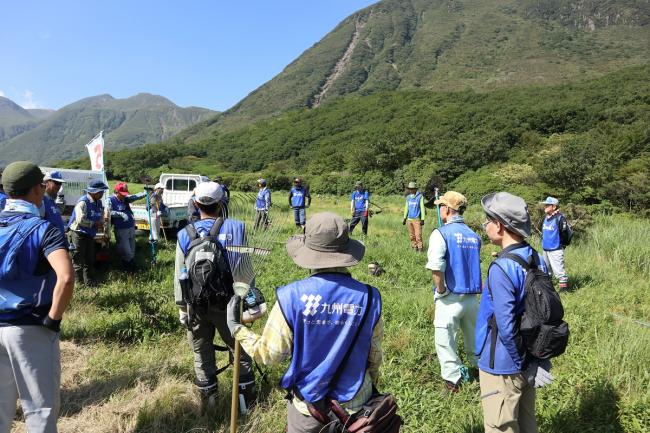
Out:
{"x": 325, "y": 244}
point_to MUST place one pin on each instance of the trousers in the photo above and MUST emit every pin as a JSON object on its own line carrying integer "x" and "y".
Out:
{"x": 415, "y": 233}
{"x": 83, "y": 258}
{"x": 359, "y": 216}
{"x": 125, "y": 239}
{"x": 30, "y": 368}
{"x": 555, "y": 263}
{"x": 508, "y": 403}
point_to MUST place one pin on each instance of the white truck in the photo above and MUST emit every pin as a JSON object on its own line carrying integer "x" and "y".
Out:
{"x": 178, "y": 191}
{"x": 72, "y": 190}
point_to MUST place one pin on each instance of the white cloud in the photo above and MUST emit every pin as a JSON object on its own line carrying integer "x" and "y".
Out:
{"x": 29, "y": 102}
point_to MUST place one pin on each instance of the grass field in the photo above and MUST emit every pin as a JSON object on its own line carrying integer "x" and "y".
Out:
{"x": 127, "y": 366}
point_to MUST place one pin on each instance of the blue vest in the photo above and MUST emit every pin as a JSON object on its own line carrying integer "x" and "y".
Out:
{"x": 551, "y": 233}
{"x": 94, "y": 213}
{"x": 121, "y": 206}
{"x": 322, "y": 311}
{"x": 52, "y": 214}
{"x": 298, "y": 196}
{"x": 463, "y": 270}
{"x": 262, "y": 195}
{"x": 359, "y": 199}
{"x": 20, "y": 290}
{"x": 3, "y": 200}
{"x": 413, "y": 202}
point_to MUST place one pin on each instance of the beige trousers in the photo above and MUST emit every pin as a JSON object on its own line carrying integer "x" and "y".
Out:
{"x": 508, "y": 403}
{"x": 415, "y": 233}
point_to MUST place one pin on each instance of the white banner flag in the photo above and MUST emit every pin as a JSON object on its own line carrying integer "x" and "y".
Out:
{"x": 96, "y": 152}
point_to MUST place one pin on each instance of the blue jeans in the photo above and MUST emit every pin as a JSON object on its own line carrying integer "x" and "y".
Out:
{"x": 299, "y": 215}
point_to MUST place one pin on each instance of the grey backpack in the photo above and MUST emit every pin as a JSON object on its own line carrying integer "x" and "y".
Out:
{"x": 208, "y": 269}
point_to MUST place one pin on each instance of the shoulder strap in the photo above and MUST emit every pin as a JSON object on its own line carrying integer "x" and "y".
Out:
{"x": 214, "y": 231}
{"x": 191, "y": 232}
{"x": 527, "y": 265}
{"x": 339, "y": 370}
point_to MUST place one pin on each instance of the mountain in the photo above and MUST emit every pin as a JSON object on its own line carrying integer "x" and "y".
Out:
{"x": 14, "y": 119}
{"x": 129, "y": 122}
{"x": 40, "y": 113}
{"x": 448, "y": 45}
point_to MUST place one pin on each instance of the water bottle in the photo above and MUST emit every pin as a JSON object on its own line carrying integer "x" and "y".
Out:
{"x": 184, "y": 280}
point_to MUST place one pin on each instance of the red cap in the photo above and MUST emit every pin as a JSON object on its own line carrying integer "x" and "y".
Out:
{"x": 122, "y": 189}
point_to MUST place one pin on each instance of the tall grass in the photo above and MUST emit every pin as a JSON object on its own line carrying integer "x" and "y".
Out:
{"x": 128, "y": 368}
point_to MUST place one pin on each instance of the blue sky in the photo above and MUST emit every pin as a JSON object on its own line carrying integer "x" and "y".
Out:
{"x": 202, "y": 53}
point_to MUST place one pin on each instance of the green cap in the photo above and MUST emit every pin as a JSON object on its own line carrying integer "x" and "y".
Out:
{"x": 20, "y": 176}
{"x": 412, "y": 185}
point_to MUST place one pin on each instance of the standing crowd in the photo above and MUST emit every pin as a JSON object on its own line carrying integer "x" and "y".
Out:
{"x": 326, "y": 383}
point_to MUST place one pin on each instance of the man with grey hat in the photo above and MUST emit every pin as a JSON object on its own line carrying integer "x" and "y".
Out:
{"x": 86, "y": 219}
{"x": 507, "y": 373}
{"x": 455, "y": 265}
{"x": 359, "y": 205}
{"x": 414, "y": 214}
{"x": 314, "y": 322}
{"x": 36, "y": 285}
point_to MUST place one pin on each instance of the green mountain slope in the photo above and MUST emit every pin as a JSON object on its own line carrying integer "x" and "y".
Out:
{"x": 14, "y": 119}
{"x": 453, "y": 45}
{"x": 128, "y": 122}
{"x": 587, "y": 141}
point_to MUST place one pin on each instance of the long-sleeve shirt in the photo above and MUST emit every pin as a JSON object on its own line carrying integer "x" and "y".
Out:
{"x": 276, "y": 343}
{"x": 423, "y": 212}
{"x": 80, "y": 219}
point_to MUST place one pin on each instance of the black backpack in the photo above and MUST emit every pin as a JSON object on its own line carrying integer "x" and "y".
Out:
{"x": 566, "y": 232}
{"x": 208, "y": 269}
{"x": 543, "y": 332}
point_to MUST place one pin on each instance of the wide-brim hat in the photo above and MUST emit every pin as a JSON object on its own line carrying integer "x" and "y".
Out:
{"x": 325, "y": 244}
{"x": 412, "y": 185}
{"x": 452, "y": 199}
{"x": 510, "y": 210}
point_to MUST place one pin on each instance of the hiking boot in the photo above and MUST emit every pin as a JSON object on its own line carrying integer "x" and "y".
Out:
{"x": 247, "y": 397}
{"x": 564, "y": 287}
{"x": 451, "y": 387}
{"x": 208, "y": 391}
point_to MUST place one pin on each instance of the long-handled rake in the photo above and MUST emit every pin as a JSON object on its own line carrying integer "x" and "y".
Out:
{"x": 247, "y": 257}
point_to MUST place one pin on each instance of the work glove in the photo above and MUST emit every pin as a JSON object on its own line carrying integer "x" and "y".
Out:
{"x": 538, "y": 374}
{"x": 124, "y": 216}
{"x": 51, "y": 324}
{"x": 233, "y": 316}
{"x": 404, "y": 222}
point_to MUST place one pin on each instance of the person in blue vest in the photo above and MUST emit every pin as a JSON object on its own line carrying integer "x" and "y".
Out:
{"x": 506, "y": 375}
{"x": 414, "y": 215}
{"x": 124, "y": 223}
{"x": 553, "y": 225}
{"x": 50, "y": 210}
{"x": 86, "y": 219}
{"x": 455, "y": 263}
{"x": 262, "y": 204}
{"x": 3, "y": 195}
{"x": 299, "y": 199}
{"x": 54, "y": 183}
{"x": 36, "y": 285}
{"x": 209, "y": 198}
{"x": 314, "y": 322}
{"x": 359, "y": 205}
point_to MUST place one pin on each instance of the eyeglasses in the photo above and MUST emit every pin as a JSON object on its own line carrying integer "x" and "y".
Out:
{"x": 486, "y": 223}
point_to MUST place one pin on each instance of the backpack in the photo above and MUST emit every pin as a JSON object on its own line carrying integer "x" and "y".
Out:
{"x": 545, "y": 335}
{"x": 12, "y": 237}
{"x": 566, "y": 232}
{"x": 208, "y": 269}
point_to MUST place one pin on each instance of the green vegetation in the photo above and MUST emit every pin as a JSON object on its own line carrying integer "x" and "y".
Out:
{"x": 127, "y": 366}
{"x": 586, "y": 142}
{"x": 128, "y": 122}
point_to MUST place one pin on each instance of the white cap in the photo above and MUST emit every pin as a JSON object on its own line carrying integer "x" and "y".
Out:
{"x": 208, "y": 193}
{"x": 159, "y": 186}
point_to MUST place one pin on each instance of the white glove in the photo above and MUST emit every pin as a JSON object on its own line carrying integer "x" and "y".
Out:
{"x": 538, "y": 374}
{"x": 159, "y": 213}
{"x": 438, "y": 295}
